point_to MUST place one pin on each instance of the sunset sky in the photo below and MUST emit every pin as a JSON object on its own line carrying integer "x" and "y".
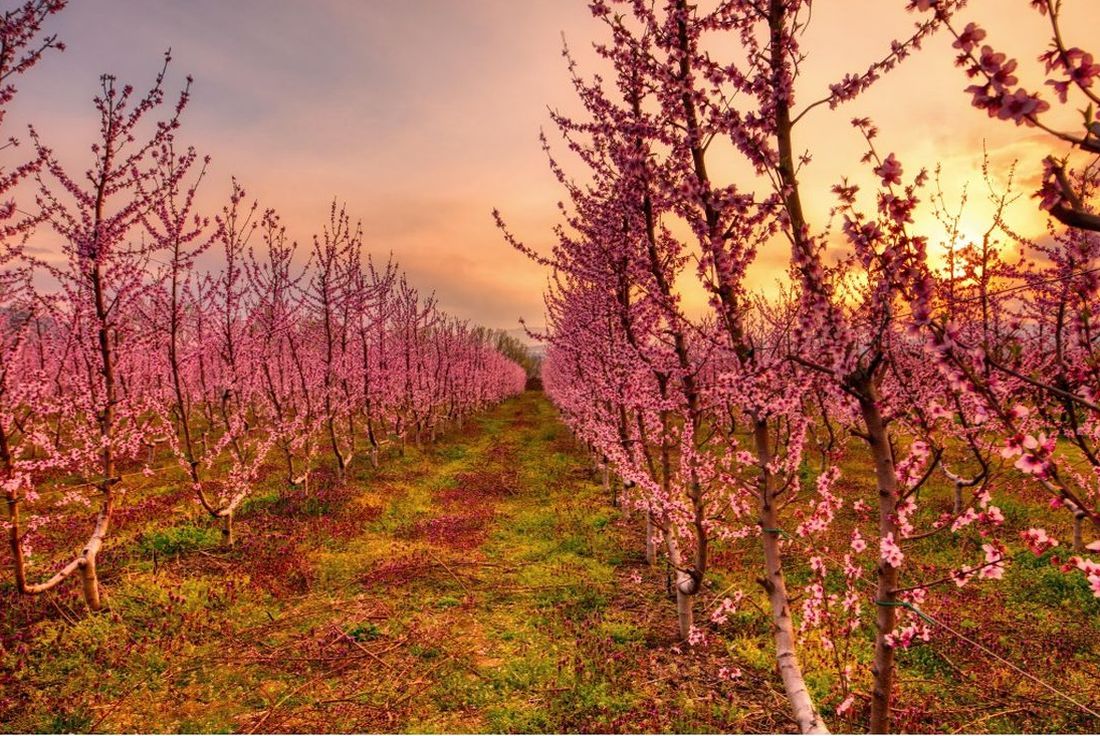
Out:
{"x": 423, "y": 115}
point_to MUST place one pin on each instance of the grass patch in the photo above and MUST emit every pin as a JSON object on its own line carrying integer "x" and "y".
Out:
{"x": 181, "y": 539}
{"x": 372, "y": 605}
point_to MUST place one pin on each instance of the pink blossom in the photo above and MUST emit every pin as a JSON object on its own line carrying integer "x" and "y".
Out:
{"x": 889, "y": 170}
{"x": 1037, "y": 540}
{"x": 905, "y": 637}
{"x": 1021, "y": 107}
{"x": 969, "y": 38}
{"x": 891, "y": 553}
{"x": 729, "y": 673}
{"x": 994, "y": 569}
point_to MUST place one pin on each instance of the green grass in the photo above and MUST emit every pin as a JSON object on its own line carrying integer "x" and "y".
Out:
{"x": 534, "y": 625}
{"x": 180, "y": 539}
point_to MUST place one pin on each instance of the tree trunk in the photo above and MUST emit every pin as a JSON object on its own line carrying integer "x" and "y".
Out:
{"x": 650, "y": 545}
{"x": 341, "y": 463}
{"x": 790, "y": 671}
{"x": 290, "y": 475}
{"x": 685, "y": 613}
{"x": 87, "y": 560}
{"x": 958, "y": 507}
{"x": 886, "y": 613}
{"x": 90, "y": 583}
{"x": 15, "y": 541}
{"x": 227, "y": 530}
{"x": 682, "y": 582}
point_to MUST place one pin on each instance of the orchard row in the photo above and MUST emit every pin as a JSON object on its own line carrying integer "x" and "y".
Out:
{"x": 733, "y": 421}
{"x": 121, "y": 357}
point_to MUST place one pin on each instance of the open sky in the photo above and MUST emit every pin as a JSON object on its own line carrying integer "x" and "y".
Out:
{"x": 423, "y": 115}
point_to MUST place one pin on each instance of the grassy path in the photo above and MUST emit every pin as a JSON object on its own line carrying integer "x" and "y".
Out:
{"x": 484, "y": 584}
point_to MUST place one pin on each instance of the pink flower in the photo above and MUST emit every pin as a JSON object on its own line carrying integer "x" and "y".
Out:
{"x": 962, "y": 576}
{"x": 1085, "y": 71}
{"x": 990, "y": 61}
{"x": 993, "y": 515}
{"x": 890, "y": 551}
{"x": 1021, "y": 107}
{"x": 729, "y": 673}
{"x": 697, "y": 636}
{"x": 903, "y": 638}
{"x": 1038, "y": 541}
{"x": 969, "y": 38}
{"x": 983, "y": 98}
{"x": 1091, "y": 570}
{"x": 1034, "y": 452}
{"x": 1050, "y": 194}
{"x": 889, "y": 170}
{"x": 995, "y": 569}
{"x": 725, "y": 608}
{"x": 1031, "y": 465}
{"x": 1013, "y": 446}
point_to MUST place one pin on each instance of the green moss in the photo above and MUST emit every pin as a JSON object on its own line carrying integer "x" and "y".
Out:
{"x": 180, "y": 539}
{"x": 261, "y": 499}
{"x": 1048, "y": 586}
{"x": 926, "y": 661}
{"x": 76, "y": 720}
{"x": 518, "y": 719}
{"x": 453, "y": 452}
{"x": 753, "y": 652}
{"x": 366, "y": 631}
{"x": 423, "y": 652}
{"x": 622, "y": 632}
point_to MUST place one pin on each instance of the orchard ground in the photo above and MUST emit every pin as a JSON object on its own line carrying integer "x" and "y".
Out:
{"x": 487, "y": 583}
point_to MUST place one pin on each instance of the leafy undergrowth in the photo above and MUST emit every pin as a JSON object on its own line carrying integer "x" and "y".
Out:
{"x": 484, "y": 584}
